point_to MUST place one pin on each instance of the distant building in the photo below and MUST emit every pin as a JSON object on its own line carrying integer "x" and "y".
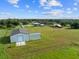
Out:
{"x": 57, "y": 25}
{"x": 37, "y": 24}
{"x": 20, "y": 36}
{"x": 42, "y": 24}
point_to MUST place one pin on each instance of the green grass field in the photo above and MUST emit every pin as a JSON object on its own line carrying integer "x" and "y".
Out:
{"x": 54, "y": 44}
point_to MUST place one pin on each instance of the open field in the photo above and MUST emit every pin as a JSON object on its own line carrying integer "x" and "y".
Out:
{"x": 54, "y": 44}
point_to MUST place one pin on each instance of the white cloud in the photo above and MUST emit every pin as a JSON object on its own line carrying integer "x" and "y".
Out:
{"x": 27, "y": 6}
{"x": 46, "y": 8}
{"x": 42, "y": 2}
{"x": 75, "y": 4}
{"x": 54, "y": 12}
{"x": 69, "y": 12}
{"x": 68, "y": 9}
{"x": 16, "y": 6}
{"x": 75, "y": 9}
{"x": 55, "y": 3}
{"x": 13, "y": 1}
{"x": 50, "y": 3}
{"x": 6, "y": 15}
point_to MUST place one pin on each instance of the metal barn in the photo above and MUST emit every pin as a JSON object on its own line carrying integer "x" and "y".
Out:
{"x": 20, "y": 36}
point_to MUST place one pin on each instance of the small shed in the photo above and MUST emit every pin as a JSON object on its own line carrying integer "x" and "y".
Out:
{"x": 20, "y": 36}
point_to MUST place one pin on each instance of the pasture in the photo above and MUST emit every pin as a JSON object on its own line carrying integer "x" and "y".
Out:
{"x": 54, "y": 44}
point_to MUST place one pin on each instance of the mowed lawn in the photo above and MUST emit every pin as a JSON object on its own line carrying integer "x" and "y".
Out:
{"x": 54, "y": 44}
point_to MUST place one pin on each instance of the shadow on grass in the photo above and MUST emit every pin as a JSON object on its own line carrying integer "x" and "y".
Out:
{"x": 5, "y": 40}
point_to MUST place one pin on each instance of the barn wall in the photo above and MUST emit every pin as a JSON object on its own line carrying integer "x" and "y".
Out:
{"x": 15, "y": 38}
{"x": 34, "y": 36}
{"x": 25, "y": 37}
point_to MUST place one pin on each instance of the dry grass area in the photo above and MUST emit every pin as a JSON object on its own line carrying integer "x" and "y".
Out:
{"x": 54, "y": 44}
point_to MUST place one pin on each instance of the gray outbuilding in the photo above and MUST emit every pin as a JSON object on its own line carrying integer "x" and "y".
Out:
{"x": 20, "y": 36}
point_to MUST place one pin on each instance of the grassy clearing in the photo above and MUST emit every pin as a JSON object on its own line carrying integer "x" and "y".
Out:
{"x": 54, "y": 44}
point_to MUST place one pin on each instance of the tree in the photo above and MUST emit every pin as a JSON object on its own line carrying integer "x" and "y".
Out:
{"x": 75, "y": 25}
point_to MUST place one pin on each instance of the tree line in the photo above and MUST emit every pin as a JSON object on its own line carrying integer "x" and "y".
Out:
{"x": 10, "y": 23}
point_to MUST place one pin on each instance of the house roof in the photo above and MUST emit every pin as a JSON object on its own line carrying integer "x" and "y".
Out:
{"x": 17, "y": 31}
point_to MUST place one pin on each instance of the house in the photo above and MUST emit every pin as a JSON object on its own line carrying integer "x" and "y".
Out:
{"x": 20, "y": 36}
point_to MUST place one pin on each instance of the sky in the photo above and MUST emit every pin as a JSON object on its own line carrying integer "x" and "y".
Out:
{"x": 39, "y": 9}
